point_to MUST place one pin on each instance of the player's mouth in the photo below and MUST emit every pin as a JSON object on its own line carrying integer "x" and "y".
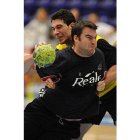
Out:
{"x": 91, "y": 50}
{"x": 60, "y": 38}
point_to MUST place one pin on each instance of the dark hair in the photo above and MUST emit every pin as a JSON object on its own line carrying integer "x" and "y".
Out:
{"x": 79, "y": 26}
{"x": 64, "y": 15}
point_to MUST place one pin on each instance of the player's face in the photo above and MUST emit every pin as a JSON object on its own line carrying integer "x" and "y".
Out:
{"x": 86, "y": 44}
{"x": 61, "y": 30}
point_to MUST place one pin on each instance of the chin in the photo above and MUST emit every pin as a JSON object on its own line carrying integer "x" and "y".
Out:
{"x": 90, "y": 54}
{"x": 62, "y": 42}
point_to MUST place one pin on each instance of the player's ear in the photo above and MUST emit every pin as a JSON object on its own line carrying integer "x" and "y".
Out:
{"x": 71, "y": 25}
{"x": 75, "y": 38}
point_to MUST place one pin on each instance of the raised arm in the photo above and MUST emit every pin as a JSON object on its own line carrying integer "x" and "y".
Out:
{"x": 28, "y": 62}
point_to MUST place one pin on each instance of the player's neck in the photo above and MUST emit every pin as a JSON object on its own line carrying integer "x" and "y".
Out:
{"x": 69, "y": 42}
{"x": 77, "y": 51}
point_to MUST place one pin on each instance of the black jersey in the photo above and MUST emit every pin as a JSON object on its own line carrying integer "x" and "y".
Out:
{"x": 75, "y": 95}
{"x": 109, "y": 52}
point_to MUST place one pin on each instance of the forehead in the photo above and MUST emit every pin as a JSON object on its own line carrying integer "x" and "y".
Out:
{"x": 56, "y": 22}
{"x": 89, "y": 31}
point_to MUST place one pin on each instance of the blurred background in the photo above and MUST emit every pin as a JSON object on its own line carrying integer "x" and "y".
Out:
{"x": 37, "y": 15}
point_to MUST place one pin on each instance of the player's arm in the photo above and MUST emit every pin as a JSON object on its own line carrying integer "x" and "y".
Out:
{"x": 110, "y": 75}
{"x": 28, "y": 57}
{"x": 49, "y": 82}
{"x": 28, "y": 62}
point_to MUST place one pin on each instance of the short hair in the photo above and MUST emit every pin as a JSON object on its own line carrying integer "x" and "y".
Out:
{"x": 79, "y": 26}
{"x": 64, "y": 15}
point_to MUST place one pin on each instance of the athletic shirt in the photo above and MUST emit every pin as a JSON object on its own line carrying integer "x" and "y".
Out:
{"x": 75, "y": 95}
{"x": 110, "y": 59}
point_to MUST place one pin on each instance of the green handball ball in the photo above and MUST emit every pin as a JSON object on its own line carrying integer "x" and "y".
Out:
{"x": 43, "y": 55}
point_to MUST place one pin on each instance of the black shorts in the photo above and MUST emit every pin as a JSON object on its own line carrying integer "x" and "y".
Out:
{"x": 44, "y": 125}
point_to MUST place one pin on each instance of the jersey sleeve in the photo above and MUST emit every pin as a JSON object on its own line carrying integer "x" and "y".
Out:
{"x": 109, "y": 52}
{"x": 43, "y": 72}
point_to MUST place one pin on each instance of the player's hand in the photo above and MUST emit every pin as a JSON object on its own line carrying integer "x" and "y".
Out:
{"x": 34, "y": 66}
{"x": 50, "y": 83}
{"x": 101, "y": 85}
{"x": 40, "y": 43}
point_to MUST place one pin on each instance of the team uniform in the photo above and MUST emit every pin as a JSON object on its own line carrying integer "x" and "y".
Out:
{"x": 108, "y": 96}
{"x": 58, "y": 113}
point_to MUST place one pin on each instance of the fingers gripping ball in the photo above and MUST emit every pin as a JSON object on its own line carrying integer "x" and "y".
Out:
{"x": 44, "y": 54}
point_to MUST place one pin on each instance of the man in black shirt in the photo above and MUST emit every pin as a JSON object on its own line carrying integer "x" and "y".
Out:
{"x": 61, "y": 26}
{"x": 81, "y": 69}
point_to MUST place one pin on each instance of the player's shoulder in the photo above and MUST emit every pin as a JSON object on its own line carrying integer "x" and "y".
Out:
{"x": 98, "y": 56}
{"x": 104, "y": 45}
{"x": 63, "y": 54}
{"x": 60, "y": 47}
{"x": 101, "y": 41}
{"x": 98, "y": 38}
{"x": 99, "y": 51}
